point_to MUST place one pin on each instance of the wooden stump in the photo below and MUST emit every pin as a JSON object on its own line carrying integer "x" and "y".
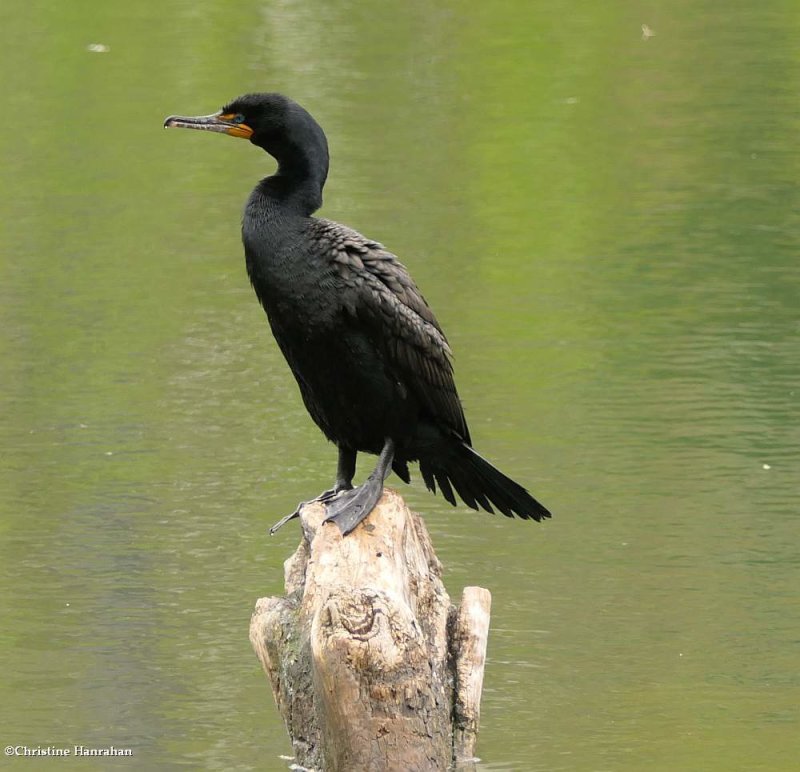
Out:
{"x": 371, "y": 666}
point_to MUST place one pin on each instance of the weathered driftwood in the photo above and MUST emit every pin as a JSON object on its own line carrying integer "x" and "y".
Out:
{"x": 371, "y": 666}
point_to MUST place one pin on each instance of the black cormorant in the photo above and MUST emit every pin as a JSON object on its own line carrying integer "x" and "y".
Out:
{"x": 371, "y": 361}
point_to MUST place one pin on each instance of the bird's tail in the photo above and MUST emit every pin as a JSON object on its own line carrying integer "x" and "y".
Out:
{"x": 456, "y": 465}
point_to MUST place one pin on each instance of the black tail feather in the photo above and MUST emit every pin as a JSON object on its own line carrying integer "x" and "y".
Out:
{"x": 464, "y": 486}
{"x": 453, "y": 464}
{"x": 400, "y": 468}
{"x": 427, "y": 476}
{"x": 444, "y": 486}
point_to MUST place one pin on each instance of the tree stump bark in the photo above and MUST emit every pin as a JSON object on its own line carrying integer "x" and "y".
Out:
{"x": 371, "y": 666}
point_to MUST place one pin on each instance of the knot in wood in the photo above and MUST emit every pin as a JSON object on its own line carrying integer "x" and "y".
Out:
{"x": 356, "y": 613}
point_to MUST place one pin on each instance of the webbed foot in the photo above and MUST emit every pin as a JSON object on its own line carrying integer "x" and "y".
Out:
{"x": 351, "y": 507}
{"x": 323, "y": 498}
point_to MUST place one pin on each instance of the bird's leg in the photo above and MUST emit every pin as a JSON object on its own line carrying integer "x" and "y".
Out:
{"x": 351, "y": 507}
{"x": 345, "y": 470}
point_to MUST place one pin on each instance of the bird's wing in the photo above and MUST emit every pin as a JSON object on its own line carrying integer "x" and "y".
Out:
{"x": 378, "y": 290}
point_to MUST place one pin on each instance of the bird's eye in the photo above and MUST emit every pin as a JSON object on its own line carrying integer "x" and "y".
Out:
{"x": 238, "y": 118}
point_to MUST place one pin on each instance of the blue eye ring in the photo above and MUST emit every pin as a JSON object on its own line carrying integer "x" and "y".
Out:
{"x": 238, "y": 118}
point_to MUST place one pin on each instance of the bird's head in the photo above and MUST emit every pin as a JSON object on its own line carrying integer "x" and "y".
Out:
{"x": 272, "y": 121}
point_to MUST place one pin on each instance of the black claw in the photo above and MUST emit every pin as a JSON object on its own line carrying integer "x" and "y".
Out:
{"x": 284, "y": 520}
{"x": 323, "y": 498}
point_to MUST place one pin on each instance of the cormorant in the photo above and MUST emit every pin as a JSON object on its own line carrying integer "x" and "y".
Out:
{"x": 371, "y": 361}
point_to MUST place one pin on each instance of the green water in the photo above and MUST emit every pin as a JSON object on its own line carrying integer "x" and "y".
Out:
{"x": 607, "y": 226}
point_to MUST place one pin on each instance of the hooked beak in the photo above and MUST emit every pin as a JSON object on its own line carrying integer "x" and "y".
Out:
{"x": 216, "y": 122}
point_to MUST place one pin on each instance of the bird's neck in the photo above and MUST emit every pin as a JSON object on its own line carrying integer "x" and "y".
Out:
{"x": 292, "y": 192}
{"x": 302, "y": 171}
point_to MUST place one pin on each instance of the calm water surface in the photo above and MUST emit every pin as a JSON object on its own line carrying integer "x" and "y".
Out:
{"x": 606, "y": 223}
